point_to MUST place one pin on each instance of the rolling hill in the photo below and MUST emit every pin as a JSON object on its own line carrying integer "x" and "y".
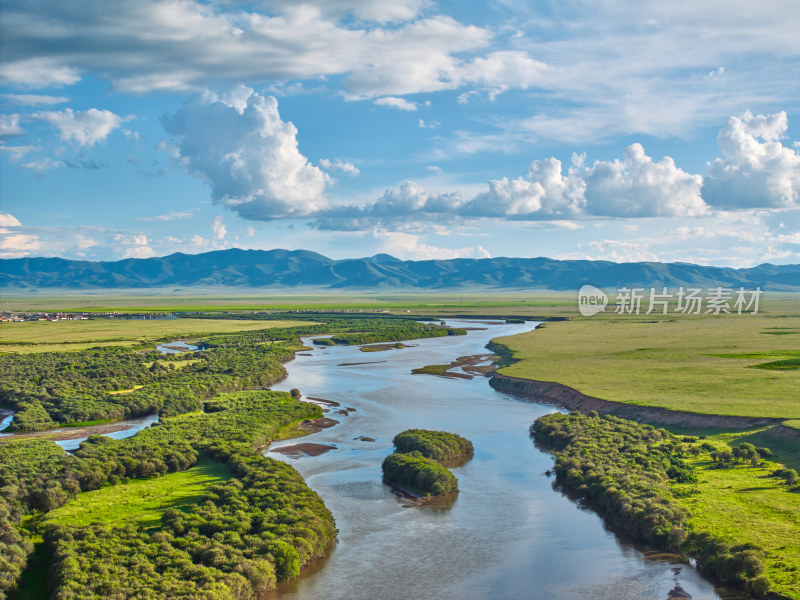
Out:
{"x": 302, "y": 268}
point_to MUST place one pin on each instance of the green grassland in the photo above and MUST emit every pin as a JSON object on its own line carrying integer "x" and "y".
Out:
{"x": 696, "y": 364}
{"x": 35, "y": 347}
{"x": 744, "y": 505}
{"x": 141, "y": 502}
{"x": 531, "y": 303}
{"x": 780, "y": 439}
{"x": 327, "y": 300}
{"x": 59, "y": 336}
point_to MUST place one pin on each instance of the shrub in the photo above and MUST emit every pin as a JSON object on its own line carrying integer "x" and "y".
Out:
{"x": 419, "y": 474}
{"x": 438, "y": 445}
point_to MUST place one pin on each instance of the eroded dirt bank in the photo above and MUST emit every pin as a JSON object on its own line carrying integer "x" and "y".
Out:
{"x": 570, "y": 398}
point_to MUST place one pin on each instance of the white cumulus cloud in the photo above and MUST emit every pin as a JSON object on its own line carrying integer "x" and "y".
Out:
{"x": 84, "y": 128}
{"x": 639, "y": 187}
{"x": 10, "y": 127}
{"x": 33, "y": 99}
{"x": 506, "y": 197}
{"x": 340, "y": 165}
{"x": 756, "y": 169}
{"x": 38, "y": 72}
{"x": 9, "y": 220}
{"x": 132, "y": 245}
{"x": 15, "y": 245}
{"x": 44, "y": 164}
{"x": 409, "y": 246}
{"x": 218, "y": 227}
{"x": 379, "y": 11}
{"x": 248, "y": 156}
{"x": 398, "y": 103}
{"x": 635, "y": 186}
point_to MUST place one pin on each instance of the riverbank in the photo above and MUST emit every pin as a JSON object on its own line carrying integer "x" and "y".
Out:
{"x": 775, "y": 434}
{"x": 72, "y": 433}
{"x": 724, "y": 365}
{"x": 564, "y": 396}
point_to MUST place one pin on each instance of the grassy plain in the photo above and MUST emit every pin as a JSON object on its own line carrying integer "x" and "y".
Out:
{"x": 141, "y": 501}
{"x": 743, "y": 505}
{"x": 59, "y": 336}
{"x": 698, "y": 364}
{"x": 480, "y": 302}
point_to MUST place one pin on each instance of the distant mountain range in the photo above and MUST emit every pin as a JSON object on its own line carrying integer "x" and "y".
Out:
{"x": 302, "y": 268}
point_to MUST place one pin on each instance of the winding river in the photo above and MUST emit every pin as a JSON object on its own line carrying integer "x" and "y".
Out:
{"x": 507, "y": 535}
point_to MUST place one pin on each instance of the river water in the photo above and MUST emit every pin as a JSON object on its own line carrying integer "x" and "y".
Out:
{"x": 131, "y": 428}
{"x": 5, "y": 420}
{"x": 507, "y": 535}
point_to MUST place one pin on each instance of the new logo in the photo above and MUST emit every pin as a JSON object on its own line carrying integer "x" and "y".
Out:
{"x": 591, "y": 300}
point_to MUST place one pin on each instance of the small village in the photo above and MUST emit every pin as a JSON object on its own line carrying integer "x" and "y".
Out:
{"x": 14, "y": 316}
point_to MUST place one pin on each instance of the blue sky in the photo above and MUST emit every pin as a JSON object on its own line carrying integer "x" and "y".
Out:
{"x": 610, "y": 130}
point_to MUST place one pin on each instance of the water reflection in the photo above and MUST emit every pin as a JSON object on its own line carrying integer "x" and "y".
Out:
{"x": 6, "y": 416}
{"x": 177, "y": 347}
{"x": 123, "y": 429}
{"x": 508, "y": 534}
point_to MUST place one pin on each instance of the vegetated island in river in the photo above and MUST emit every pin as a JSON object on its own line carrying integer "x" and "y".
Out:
{"x": 415, "y": 466}
{"x": 438, "y": 445}
{"x": 477, "y": 364}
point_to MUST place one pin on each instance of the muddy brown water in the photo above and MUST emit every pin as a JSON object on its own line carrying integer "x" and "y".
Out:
{"x": 506, "y": 535}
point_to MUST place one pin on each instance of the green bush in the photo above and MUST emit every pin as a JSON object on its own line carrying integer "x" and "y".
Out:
{"x": 419, "y": 474}
{"x": 438, "y": 445}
